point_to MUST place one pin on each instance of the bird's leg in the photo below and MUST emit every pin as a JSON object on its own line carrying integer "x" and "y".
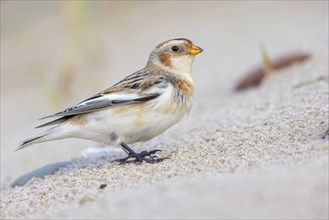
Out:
{"x": 139, "y": 157}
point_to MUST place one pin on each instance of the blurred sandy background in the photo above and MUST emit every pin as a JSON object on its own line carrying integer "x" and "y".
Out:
{"x": 57, "y": 53}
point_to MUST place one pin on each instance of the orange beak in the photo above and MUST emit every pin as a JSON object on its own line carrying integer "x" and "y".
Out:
{"x": 194, "y": 50}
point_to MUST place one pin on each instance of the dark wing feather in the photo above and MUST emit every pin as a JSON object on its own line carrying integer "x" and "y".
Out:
{"x": 55, "y": 122}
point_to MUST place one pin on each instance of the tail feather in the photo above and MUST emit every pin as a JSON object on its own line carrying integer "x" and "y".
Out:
{"x": 46, "y": 136}
{"x": 29, "y": 142}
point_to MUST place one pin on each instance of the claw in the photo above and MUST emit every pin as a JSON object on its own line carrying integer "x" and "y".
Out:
{"x": 143, "y": 156}
{"x": 148, "y": 153}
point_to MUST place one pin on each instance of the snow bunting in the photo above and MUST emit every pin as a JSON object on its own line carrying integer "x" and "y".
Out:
{"x": 136, "y": 109}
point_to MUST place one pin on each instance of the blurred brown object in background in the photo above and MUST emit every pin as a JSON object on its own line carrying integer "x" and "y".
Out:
{"x": 255, "y": 77}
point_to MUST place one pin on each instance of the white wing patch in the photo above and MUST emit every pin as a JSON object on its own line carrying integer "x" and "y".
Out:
{"x": 114, "y": 97}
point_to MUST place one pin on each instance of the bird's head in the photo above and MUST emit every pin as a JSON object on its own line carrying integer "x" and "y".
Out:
{"x": 175, "y": 55}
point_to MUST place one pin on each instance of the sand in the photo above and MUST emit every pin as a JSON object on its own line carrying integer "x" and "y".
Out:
{"x": 259, "y": 153}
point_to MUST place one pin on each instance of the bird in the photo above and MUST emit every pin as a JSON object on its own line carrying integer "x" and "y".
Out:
{"x": 136, "y": 109}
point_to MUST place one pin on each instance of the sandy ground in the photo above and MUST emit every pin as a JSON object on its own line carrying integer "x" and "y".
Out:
{"x": 254, "y": 154}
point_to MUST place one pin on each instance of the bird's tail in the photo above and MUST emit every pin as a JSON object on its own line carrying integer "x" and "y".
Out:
{"x": 49, "y": 135}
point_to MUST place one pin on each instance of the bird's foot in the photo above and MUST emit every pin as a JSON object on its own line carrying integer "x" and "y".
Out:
{"x": 146, "y": 156}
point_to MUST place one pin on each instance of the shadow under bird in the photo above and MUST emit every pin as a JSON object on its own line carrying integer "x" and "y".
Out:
{"x": 136, "y": 109}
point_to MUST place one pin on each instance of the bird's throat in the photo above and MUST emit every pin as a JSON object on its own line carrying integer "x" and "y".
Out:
{"x": 181, "y": 65}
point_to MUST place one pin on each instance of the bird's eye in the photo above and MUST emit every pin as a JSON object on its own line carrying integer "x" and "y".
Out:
{"x": 174, "y": 48}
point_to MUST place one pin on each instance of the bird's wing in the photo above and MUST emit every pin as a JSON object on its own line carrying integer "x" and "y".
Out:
{"x": 104, "y": 101}
{"x": 123, "y": 93}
